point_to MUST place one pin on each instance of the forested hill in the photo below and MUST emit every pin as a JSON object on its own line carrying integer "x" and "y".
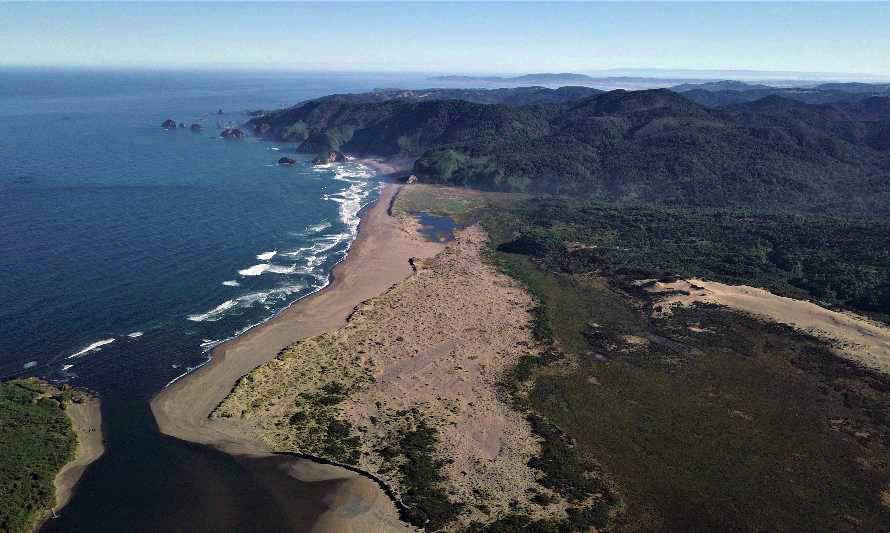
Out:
{"x": 653, "y": 146}
{"x": 725, "y": 93}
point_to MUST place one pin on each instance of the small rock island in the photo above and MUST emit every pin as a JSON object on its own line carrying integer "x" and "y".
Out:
{"x": 332, "y": 156}
{"x": 232, "y": 133}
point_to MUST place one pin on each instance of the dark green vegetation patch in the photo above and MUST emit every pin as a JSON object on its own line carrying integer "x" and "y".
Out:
{"x": 707, "y": 420}
{"x": 838, "y": 261}
{"x": 411, "y": 453}
{"x": 36, "y": 440}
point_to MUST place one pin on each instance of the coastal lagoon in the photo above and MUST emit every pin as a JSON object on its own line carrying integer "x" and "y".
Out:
{"x": 129, "y": 251}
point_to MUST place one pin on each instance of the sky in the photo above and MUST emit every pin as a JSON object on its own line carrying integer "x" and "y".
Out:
{"x": 451, "y": 37}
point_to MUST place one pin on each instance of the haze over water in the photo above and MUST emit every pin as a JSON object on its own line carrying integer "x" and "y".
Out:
{"x": 128, "y": 251}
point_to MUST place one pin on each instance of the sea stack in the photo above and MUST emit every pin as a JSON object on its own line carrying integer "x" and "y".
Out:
{"x": 169, "y": 124}
{"x": 232, "y": 133}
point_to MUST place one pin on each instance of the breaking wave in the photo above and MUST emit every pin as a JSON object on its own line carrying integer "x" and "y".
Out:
{"x": 311, "y": 260}
{"x": 315, "y": 228}
{"x": 94, "y": 346}
{"x": 255, "y": 270}
{"x": 215, "y": 313}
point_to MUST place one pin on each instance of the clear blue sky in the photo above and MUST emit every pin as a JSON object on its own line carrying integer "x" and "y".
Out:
{"x": 456, "y": 37}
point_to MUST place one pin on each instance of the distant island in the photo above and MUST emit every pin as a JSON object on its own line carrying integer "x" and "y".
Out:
{"x": 544, "y": 77}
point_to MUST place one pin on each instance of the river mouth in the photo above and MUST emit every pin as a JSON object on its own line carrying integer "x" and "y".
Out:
{"x": 147, "y": 481}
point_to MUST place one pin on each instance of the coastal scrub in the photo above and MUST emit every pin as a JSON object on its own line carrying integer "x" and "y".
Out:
{"x": 36, "y": 440}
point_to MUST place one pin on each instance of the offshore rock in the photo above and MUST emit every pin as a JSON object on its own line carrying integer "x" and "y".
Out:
{"x": 232, "y": 133}
{"x": 332, "y": 156}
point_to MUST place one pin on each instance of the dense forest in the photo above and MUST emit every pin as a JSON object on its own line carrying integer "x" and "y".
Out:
{"x": 653, "y": 146}
{"x": 36, "y": 439}
{"x": 834, "y": 261}
{"x": 723, "y": 93}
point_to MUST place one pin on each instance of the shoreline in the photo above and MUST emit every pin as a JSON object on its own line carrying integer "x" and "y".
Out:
{"x": 86, "y": 420}
{"x": 377, "y": 259}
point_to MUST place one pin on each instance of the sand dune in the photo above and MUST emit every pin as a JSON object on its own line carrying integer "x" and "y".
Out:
{"x": 433, "y": 348}
{"x": 855, "y": 337}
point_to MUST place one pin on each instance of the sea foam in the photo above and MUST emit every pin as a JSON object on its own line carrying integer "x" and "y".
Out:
{"x": 265, "y": 256}
{"x": 315, "y": 228}
{"x": 135, "y": 334}
{"x": 281, "y": 269}
{"x": 94, "y": 346}
{"x": 231, "y": 283}
{"x": 255, "y": 270}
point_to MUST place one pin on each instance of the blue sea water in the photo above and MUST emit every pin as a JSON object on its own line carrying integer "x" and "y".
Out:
{"x": 113, "y": 228}
{"x": 127, "y": 251}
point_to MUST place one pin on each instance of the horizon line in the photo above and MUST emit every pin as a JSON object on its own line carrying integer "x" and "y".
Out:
{"x": 641, "y": 72}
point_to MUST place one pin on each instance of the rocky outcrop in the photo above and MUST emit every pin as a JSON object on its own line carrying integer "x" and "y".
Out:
{"x": 332, "y": 156}
{"x": 317, "y": 143}
{"x": 286, "y": 161}
{"x": 196, "y": 128}
{"x": 232, "y": 133}
{"x": 169, "y": 124}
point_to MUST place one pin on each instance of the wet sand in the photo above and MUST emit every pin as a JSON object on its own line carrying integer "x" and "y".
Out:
{"x": 377, "y": 259}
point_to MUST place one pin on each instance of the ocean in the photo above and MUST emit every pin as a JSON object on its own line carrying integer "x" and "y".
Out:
{"x": 128, "y": 251}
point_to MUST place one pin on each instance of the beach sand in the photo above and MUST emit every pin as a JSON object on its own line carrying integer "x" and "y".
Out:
{"x": 378, "y": 259}
{"x": 86, "y": 418}
{"x": 434, "y": 347}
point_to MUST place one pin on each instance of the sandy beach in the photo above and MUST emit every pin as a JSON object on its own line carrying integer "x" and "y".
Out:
{"x": 378, "y": 259}
{"x": 86, "y": 419}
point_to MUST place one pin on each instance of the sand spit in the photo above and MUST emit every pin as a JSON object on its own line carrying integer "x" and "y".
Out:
{"x": 431, "y": 348}
{"x": 86, "y": 419}
{"x": 377, "y": 259}
{"x": 855, "y": 337}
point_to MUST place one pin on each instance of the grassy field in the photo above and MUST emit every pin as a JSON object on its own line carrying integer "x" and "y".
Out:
{"x": 36, "y": 440}
{"x": 706, "y": 420}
